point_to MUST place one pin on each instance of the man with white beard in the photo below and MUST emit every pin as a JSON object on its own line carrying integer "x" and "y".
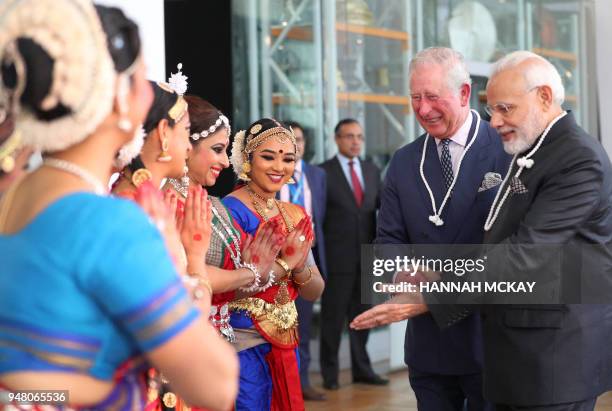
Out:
{"x": 558, "y": 191}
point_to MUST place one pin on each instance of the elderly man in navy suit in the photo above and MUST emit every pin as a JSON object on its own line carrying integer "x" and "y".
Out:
{"x": 310, "y": 192}
{"x": 435, "y": 192}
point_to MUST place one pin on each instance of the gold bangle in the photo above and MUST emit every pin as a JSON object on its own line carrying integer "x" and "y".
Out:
{"x": 206, "y": 283}
{"x": 285, "y": 266}
{"x": 307, "y": 280}
{"x": 201, "y": 282}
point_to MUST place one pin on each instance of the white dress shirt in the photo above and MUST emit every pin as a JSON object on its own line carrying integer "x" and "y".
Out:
{"x": 346, "y": 169}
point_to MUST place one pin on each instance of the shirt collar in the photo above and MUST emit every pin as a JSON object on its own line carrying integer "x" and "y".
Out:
{"x": 344, "y": 160}
{"x": 461, "y": 136}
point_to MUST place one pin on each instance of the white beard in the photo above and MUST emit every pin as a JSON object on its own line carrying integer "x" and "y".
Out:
{"x": 525, "y": 135}
{"x": 130, "y": 150}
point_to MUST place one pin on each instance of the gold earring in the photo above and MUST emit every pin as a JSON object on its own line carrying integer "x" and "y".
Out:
{"x": 291, "y": 181}
{"x": 246, "y": 169}
{"x": 164, "y": 156}
{"x": 185, "y": 178}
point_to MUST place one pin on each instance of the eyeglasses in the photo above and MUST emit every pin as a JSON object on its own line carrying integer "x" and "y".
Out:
{"x": 358, "y": 137}
{"x": 505, "y": 109}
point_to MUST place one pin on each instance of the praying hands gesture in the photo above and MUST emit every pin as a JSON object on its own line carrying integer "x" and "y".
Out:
{"x": 263, "y": 249}
{"x": 195, "y": 224}
{"x": 158, "y": 211}
{"x": 297, "y": 245}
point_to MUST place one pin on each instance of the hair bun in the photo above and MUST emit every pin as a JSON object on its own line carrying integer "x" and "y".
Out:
{"x": 55, "y": 60}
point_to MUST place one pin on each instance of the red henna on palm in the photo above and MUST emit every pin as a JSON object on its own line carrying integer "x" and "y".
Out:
{"x": 290, "y": 251}
{"x": 197, "y": 237}
{"x": 255, "y": 259}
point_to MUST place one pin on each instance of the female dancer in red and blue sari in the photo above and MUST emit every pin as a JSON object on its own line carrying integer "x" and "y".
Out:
{"x": 266, "y": 323}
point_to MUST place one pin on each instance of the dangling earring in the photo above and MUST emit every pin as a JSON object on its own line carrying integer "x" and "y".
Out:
{"x": 291, "y": 180}
{"x": 185, "y": 178}
{"x": 164, "y": 156}
{"x": 246, "y": 169}
{"x": 124, "y": 123}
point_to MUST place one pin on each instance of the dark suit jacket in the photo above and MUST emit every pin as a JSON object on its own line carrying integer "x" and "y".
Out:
{"x": 317, "y": 182}
{"x": 551, "y": 354}
{"x": 347, "y": 226}
{"x": 404, "y": 219}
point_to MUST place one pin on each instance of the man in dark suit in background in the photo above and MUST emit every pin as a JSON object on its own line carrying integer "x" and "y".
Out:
{"x": 310, "y": 192}
{"x": 353, "y": 187}
{"x": 557, "y": 195}
{"x": 445, "y": 366}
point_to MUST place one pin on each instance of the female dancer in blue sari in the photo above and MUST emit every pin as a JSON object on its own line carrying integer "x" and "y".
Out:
{"x": 266, "y": 323}
{"x": 88, "y": 291}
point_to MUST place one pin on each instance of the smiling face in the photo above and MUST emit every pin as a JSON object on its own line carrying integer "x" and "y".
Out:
{"x": 518, "y": 113}
{"x": 272, "y": 164}
{"x": 209, "y": 158}
{"x": 439, "y": 110}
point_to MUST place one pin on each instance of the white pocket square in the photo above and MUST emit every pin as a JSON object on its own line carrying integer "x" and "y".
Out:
{"x": 489, "y": 181}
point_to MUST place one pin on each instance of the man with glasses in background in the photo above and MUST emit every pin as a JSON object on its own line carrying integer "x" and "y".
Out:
{"x": 352, "y": 200}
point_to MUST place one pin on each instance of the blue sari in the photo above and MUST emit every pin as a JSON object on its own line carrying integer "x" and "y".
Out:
{"x": 88, "y": 287}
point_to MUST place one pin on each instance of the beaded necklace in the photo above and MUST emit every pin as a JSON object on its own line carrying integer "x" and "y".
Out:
{"x": 435, "y": 218}
{"x": 264, "y": 214}
{"x": 235, "y": 255}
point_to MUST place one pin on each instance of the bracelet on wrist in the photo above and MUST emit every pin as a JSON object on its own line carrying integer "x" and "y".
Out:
{"x": 270, "y": 282}
{"x": 256, "y": 284}
{"x": 306, "y": 281}
{"x": 284, "y": 266}
{"x": 199, "y": 284}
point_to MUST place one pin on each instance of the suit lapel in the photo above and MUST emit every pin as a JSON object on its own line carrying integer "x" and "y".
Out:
{"x": 368, "y": 182}
{"x": 344, "y": 184}
{"x": 473, "y": 168}
{"x": 432, "y": 171}
{"x": 314, "y": 190}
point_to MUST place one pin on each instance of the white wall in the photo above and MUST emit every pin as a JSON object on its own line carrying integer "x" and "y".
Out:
{"x": 149, "y": 15}
{"x": 603, "y": 34}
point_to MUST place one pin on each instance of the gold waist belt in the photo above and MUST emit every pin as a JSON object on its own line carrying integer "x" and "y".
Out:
{"x": 282, "y": 316}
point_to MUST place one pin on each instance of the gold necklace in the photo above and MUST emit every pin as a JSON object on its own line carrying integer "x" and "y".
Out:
{"x": 269, "y": 202}
{"x": 263, "y": 212}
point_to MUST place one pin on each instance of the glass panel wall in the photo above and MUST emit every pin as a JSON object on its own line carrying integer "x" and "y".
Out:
{"x": 318, "y": 61}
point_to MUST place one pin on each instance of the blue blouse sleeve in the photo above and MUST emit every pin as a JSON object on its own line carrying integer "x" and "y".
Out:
{"x": 134, "y": 280}
{"x": 248, "y": 221}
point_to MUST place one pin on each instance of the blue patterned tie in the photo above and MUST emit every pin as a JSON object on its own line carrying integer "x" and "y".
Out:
{"x": 447, "y": 164}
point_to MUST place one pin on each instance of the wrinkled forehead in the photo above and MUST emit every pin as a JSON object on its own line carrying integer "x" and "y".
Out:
{"x": 428, "y": 78}
{"x": 506, "y": 84}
